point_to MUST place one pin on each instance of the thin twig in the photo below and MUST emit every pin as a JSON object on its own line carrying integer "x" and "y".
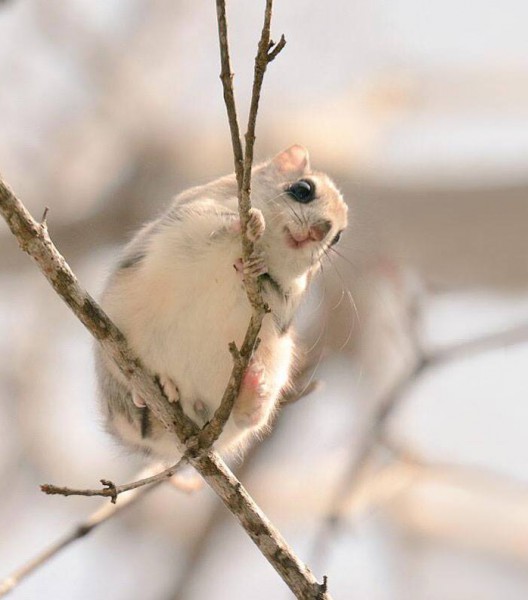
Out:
{"x": 99, "y": 517}
{"x": 243, "y": 161}
{"x": 262, "y": 59}
{"x": 243, "y": 164}
{"x": 226, "y": 75}
{"x": 112, "y": 490}
{"x": 44, "y": 220}
{"x": 261, "y": 63}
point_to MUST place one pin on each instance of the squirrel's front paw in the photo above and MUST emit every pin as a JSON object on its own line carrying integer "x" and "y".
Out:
{"x": 169, "y": 388}
{"x": 256, "y": 224}
{"x": 255, "y": 266}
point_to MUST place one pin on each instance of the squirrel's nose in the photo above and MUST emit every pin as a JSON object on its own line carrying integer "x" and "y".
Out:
{"x": 320, "y": 230}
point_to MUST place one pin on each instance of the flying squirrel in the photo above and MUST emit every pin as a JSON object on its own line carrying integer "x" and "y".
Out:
{"x": 177, "y": 294}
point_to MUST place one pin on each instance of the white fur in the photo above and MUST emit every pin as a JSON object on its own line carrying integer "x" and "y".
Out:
{"x": 184, "y": 302}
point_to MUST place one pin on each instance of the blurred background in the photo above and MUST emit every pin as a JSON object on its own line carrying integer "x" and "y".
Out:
{"x": 404, "y": 476}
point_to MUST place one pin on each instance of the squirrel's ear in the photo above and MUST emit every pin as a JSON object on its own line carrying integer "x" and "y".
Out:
{"x": 294, "y": 160}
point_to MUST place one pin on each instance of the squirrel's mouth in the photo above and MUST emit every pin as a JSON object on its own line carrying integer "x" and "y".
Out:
{"x": 301, "y": 238}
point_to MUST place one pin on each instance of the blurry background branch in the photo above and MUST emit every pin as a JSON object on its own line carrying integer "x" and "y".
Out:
{"x": 371, "y": 436}
{"x": 100, "y": 516}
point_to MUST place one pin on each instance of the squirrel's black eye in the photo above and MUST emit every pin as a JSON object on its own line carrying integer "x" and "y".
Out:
{"x": 336, "y": 239}
{"x": 302, "y": 191}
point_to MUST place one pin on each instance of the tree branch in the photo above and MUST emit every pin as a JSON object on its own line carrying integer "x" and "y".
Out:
{"x": 112, "y": 490}
{"x": 226, "y": 75}
{"x": 243, "y": 164}
{"x": 100, "y": 516}
{"x": 152, "y": 481}
{"x": 216, "y": 518}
